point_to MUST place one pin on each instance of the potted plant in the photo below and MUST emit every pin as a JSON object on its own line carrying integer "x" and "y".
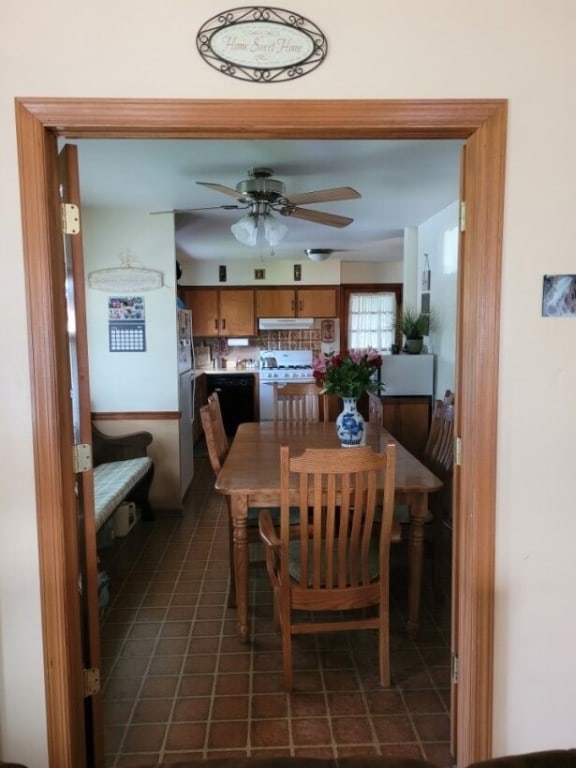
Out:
{"x": 414, "y": 326}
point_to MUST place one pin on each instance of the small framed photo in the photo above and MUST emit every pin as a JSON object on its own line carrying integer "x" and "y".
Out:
{"x": 559, "y": 296}
{"x": 297, "y": 272}
{"x": 426, "y": 280}
{"x": 425, "y": 303}
{"x": 259, "y": 274}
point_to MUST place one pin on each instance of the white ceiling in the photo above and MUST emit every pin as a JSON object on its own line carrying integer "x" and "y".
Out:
{"x": 402, "y": 184}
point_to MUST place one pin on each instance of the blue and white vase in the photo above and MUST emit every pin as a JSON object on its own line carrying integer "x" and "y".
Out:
{"x": 350, "y": 424}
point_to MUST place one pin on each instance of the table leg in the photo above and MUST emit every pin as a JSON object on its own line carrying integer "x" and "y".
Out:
{"x": 239, "y": 513}
{"x": 418, "y": 510}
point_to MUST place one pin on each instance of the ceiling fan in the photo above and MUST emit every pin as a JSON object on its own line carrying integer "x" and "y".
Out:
{"x": 262, "y": 194}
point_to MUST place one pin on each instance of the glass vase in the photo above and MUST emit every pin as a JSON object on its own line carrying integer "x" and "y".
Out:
{"x": 350, "y": 424}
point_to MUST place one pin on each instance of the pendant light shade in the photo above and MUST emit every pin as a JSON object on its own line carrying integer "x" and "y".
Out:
{"x": 246, "y": 230}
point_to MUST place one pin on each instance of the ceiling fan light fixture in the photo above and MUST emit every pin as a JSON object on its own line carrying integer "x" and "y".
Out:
{"x": 246, "y": 230}
{"x": 274, "y": 230}
{"x": 319, "y": 254}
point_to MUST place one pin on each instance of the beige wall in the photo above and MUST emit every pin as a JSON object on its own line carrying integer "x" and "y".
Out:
{"x": 522, "y": 51}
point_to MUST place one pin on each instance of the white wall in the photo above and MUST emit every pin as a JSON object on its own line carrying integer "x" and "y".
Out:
{"x": 117, "y": 378}
{"x": 371, "y": 272}
{"x": 276, "y": 273}
{"x": 520, "y": 51}
{"x": 438, "y": 238}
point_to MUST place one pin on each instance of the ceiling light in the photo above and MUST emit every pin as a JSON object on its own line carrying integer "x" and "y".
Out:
{"x": 319, "y": 254}
{"x": 246, "y": 230}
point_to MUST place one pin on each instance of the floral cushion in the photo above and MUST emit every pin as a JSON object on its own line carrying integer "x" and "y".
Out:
{"x": 113, "y": 481}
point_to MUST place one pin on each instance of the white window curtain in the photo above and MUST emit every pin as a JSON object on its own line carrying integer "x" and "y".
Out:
{"x": 371, "y": 321}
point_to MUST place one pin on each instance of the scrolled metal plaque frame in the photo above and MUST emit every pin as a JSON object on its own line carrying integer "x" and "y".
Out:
{"x": 261, "y": 44}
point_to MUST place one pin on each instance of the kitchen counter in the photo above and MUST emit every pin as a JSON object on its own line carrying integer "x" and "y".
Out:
{"x": 226, "y": 371}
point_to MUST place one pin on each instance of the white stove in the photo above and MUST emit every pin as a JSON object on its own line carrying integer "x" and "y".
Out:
{"x": 282, "y": 366}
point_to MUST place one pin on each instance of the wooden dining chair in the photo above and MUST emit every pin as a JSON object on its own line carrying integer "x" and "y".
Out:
{"x": 217, "y": 445}
{"x": 299, "y": 402}
{"x": 438, "y": 457}
{"x": 337, "y": 559}
{"x": 375, "y": 409}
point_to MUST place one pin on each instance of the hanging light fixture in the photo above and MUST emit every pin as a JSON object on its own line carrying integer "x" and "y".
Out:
{"x": 260, "y": 219}
{"x": 319, "y": 254}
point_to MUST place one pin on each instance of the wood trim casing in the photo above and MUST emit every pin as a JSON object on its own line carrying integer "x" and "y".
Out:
{"x": 483, "y": 124}
{"x": 135, "y": 416}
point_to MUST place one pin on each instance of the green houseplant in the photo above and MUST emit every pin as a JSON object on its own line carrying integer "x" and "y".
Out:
{"x": 414, "y": 326}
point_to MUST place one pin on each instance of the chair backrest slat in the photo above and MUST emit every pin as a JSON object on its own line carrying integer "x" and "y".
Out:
{"x": 298, "y": 402}
{"x": 214, "y": 432}
{"x": 338, "y": 500}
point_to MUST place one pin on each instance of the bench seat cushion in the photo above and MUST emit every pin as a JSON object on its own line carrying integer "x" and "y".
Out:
{"x": 113, "y": 481}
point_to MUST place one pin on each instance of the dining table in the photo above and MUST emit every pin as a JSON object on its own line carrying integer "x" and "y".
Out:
{"x": 250, "y": 477}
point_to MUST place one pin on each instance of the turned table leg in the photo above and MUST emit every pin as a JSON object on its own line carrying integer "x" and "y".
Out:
{"x": 239, "y": 513}
{"x": 418, "y": 510}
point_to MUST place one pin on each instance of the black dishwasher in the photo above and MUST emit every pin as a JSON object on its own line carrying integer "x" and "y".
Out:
{"x": 236, "y": 392}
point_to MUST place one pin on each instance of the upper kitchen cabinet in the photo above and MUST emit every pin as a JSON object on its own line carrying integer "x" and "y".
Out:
{"x": 303, "y": 302}
{"x": 221, "y": 311}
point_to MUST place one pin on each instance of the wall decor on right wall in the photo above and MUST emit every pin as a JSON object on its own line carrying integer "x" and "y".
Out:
{"x": 559, "y": 296}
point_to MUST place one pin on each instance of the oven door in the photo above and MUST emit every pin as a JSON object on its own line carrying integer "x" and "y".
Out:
{"x": 266, "y": 400}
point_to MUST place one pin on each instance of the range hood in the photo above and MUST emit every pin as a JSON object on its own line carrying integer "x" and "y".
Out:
{"x": 285, "y": 323}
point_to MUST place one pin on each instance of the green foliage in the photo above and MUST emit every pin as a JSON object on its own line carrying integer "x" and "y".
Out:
{"x": 348, "y": 373}
{"x": 414, "y": 325}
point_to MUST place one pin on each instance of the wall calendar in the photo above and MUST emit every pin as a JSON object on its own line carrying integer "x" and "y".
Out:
{"x": 126, "y": 324}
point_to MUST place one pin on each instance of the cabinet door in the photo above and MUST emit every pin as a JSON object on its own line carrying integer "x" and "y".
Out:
{"x": 408, "y": 419}
{"x": 237, "y": 313}
{"x": 316, "y": 302}
{"x": 204, "y": 305}
{"x": 281, "y": 303}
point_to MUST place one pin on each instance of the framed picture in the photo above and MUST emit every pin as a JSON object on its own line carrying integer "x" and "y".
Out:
{"x": 425, "y": 303}
{"x": 559, "y": 296}
{"x": 259, "y": 274}
{"x": 327, "y": 331}
{"x": 426, "y": 280}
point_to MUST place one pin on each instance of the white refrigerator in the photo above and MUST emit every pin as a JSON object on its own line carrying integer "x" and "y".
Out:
{"x": 186, "y": 393}
{"x": 407, "y": 374}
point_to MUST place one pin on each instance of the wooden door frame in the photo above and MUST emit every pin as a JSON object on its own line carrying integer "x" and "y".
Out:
{"x": 40, "y": 121}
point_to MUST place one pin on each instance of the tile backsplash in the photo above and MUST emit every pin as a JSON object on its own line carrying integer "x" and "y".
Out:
{"x": 296, "y": 339}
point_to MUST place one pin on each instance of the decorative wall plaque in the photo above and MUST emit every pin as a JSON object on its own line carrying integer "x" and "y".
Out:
{"x": 261, "y": 44}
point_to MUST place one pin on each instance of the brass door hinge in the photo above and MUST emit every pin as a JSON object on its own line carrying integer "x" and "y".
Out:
{"x": 81, "y": 457}
{"x": 462, "y": 216}
{"x": 70, "y": 216}
{"x": 91, "y": 682}
{"x": 454, "y": 669}
{"x": 458, "y": 451}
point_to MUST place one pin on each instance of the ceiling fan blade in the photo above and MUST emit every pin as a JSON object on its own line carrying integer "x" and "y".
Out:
{"x": 208, "y": 208}
{"x": 221, "y": 188}
{"x": 318, "y": 217}
{"x": 325, "y": 195}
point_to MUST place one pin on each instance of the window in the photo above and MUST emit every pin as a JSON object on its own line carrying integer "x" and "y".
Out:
{"x": 372, "y": 320}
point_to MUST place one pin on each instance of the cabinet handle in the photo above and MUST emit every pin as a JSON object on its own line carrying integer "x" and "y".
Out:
{"x": 223, "y": 323}
{"x": 216, "y": 323}
{"x": 299, "y": 306}
{"x": 292, "y": 305}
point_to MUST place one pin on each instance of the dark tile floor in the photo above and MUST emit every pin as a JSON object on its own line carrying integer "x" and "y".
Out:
{"x": 178, "y": 683}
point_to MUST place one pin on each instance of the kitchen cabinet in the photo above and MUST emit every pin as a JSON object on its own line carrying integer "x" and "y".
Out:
{"x": 408, "y": 419}
{"x": 221, "y": 311}
{"x": 301, "y": 302}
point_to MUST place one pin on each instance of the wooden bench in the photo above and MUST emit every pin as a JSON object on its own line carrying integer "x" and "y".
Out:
{"x": 123, "y": 471}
